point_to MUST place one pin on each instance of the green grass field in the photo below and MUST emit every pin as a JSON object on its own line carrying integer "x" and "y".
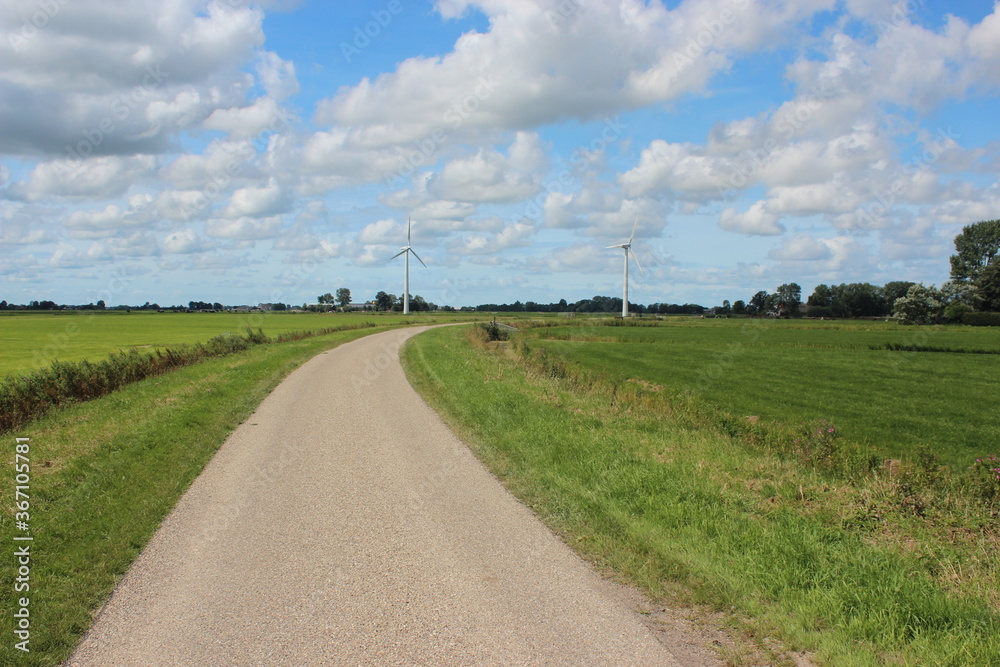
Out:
{"x": 890, "y": 401}
{"x": 871, "y": 570}
{"x": 29, "y": 341}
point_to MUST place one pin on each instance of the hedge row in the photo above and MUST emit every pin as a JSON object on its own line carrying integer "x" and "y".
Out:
{"x": 981, "y": 319}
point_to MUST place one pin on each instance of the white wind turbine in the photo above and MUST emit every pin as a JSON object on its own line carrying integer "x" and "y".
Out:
{"x": 405, "y": 251}
{"x": 627, "y": 247}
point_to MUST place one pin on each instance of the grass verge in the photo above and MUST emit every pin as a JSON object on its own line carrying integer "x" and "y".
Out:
{"x": 659, "y": 493}
{"x": 104, "y": 473}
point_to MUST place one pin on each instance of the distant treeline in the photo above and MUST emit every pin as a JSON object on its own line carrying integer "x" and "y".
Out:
{"x": 100, "y": 305}
{"x": 597, "y": 304}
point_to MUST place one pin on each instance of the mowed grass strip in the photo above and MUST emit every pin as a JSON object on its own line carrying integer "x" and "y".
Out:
{"x": 694, "y": 516}
{"x": 794, "y": 372}
{"x": 106, "y": 472}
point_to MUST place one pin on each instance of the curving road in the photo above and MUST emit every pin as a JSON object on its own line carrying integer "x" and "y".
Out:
{"x": 344, "y": 524}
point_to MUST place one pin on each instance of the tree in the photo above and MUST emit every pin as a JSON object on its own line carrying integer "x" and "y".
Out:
{"x": 418, "y": 304}
{"x": 343, "y": 297}
{"x": 384, "y": 301}
{"x": 895, "y": 290}
{"x": 859, "y": 300}
{"x": 988, "y": 287}
{"x": 324, "y": 298}
{"x": 921, "y": 305}
{"x": 820, "y": 302}
{"x": 821, "y": 297}
{"x": 976, "y": 247}
{"x": 758, "y": 301}
{"x": 789, "y": 296}
{"x": 739, "y": 308}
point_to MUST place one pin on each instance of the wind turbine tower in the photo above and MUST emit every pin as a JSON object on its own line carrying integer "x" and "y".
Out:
{"x": 627, "y": 247}
{"x": 405, "y": 251}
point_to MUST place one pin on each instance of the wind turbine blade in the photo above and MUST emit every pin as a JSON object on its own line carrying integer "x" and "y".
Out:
{"x": 617, "y": 245}
{"x": 636, "y": 261}
{"x": 634, "y": 225}
{"x": 409, "y": 226}
{"x": 398, "y": 254}
{"x": 417, "y": 256}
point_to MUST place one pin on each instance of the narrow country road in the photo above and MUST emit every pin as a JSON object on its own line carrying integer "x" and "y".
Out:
{"x": 344, "y": 524}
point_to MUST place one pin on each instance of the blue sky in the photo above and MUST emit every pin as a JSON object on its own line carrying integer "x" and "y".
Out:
{"x": 250, "y": 152}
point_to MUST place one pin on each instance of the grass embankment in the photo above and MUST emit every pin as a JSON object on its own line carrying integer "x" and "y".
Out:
{"x": 104, "y": 474}
{"x": 670, "y": 494}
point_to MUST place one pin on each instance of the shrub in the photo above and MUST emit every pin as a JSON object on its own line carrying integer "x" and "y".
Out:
{"x": 921, "y": 305}
{"x": 981, "y": 319}
{"x": 820, "y": 311}
{"x": 985, "y": 473}
{"x": 495, "y": 332}
{"x": 816, "y": 443}
{"x": 956, "y": 310}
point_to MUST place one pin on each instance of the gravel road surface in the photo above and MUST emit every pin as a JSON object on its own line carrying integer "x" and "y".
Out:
{"x": 344, "y": 524}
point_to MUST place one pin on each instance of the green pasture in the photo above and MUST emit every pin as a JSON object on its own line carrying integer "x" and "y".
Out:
{"x": 852, "y": 573}
{"x": 29, "y": 341}
{"x": 892, "y": 400}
